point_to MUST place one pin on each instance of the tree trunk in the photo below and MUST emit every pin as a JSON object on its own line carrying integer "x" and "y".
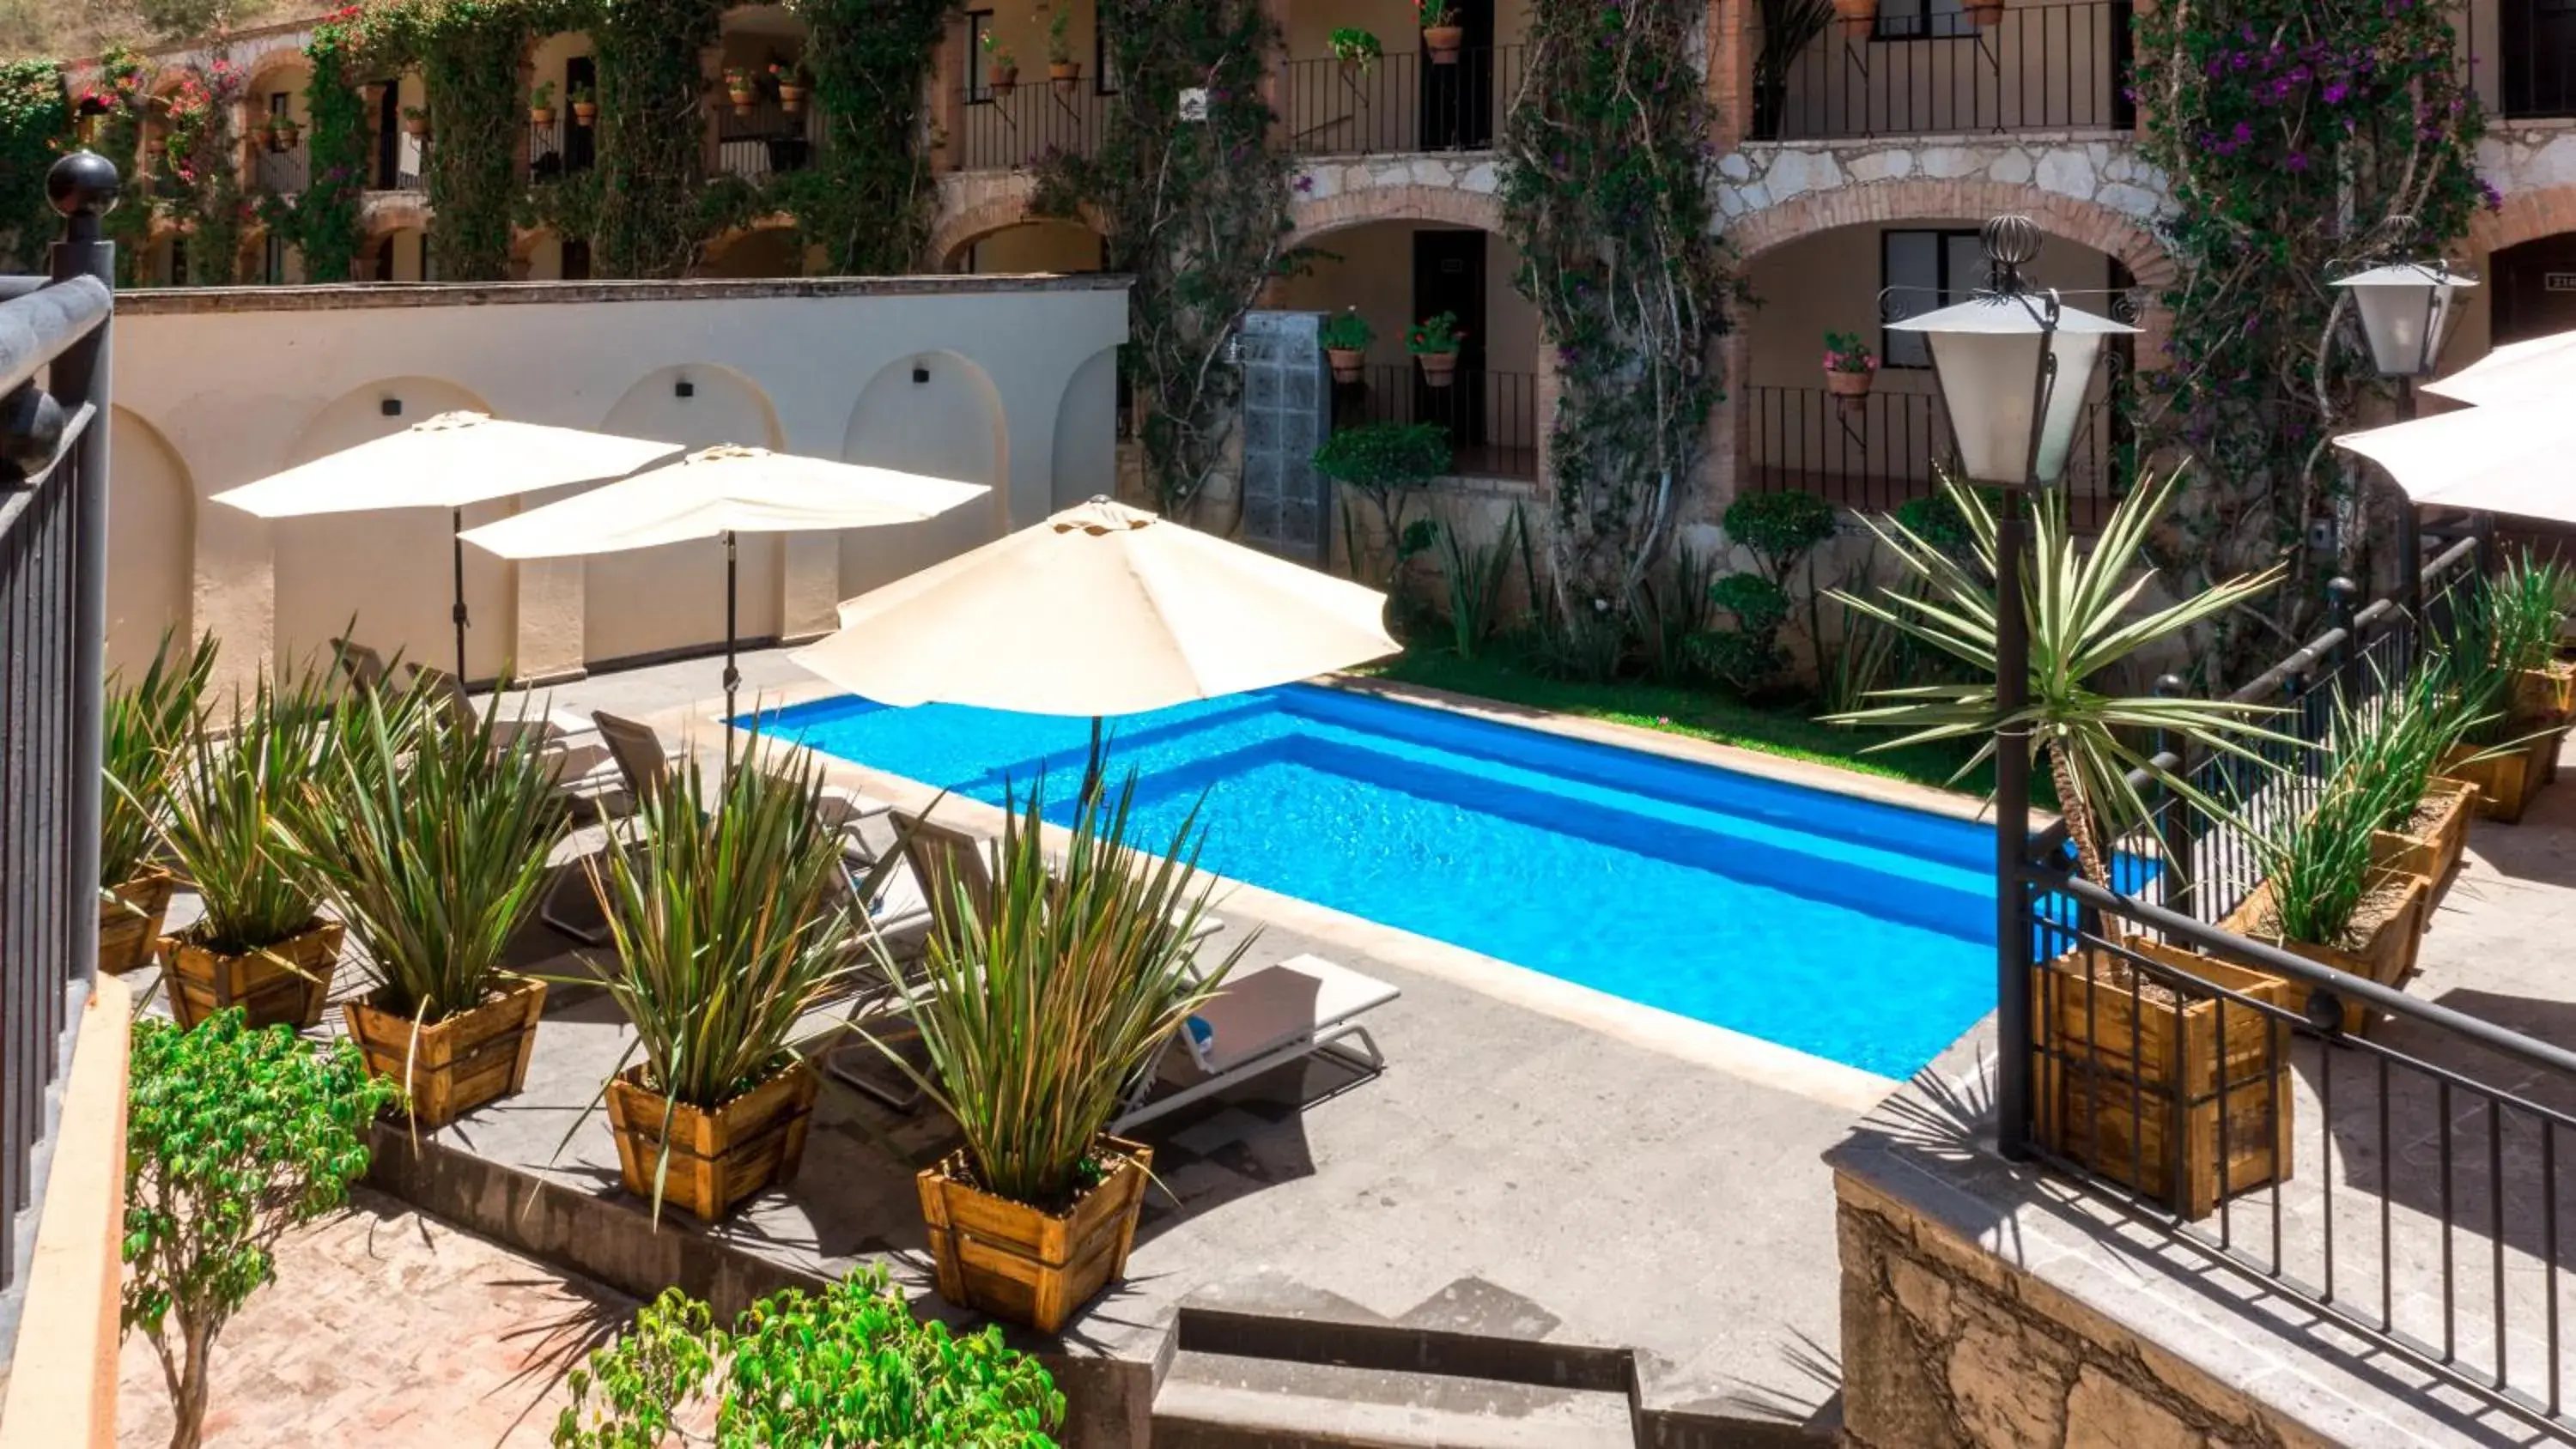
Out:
{"x": 188, "y": 1409}
{"x": 2080, "y": 824}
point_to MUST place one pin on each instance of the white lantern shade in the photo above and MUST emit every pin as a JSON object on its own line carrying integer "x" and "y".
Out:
{"x": 2406, "y": 311}
{"x": 1985, "y": 352}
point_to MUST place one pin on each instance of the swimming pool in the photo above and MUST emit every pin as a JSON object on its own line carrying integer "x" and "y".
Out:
{"x": 1852, "y": 930}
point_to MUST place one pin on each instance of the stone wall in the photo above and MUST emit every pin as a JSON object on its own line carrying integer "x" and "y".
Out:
{"x": 2101, "y": 168}
{"x": 1947, "y": 1346}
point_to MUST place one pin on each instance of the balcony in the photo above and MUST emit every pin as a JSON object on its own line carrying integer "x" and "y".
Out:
{"x": 2521, "y": 56}
{"x": 1491, "y": 417}
{"x": 1930, "y": 70}
{"x": 1009, "y": 129}
{"x": 560, "y": 148}
{"x": 281, "y": 173}
{"x": 1881, "y": 453}
{"x": 1400, "y": 103}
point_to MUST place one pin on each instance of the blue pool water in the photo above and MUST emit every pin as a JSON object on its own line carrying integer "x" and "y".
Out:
{"x": 1852, "y": 930}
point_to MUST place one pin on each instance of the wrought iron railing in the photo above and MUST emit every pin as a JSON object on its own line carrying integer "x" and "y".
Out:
{"x": 1023, "y": 125}
{"x": 2519, "y": 56}
{"x": 1491, "y": 417}
{"x": 1400, "y": 103}
{"x": 1876, "y": 452}
{"x": 2036, "y": 67}
{"x": 560, "y": 148}
{"x": 281, "y": 173}
{"x": 764, "y": 138}
{"x": 53, "y": 624}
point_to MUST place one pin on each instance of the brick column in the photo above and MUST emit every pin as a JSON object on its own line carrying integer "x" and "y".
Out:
{"x": 1728, "y": 441}
{"x": 952, "y": 70}
{"x": 1274, "y": 72}
{"x": 1730, "y": 73}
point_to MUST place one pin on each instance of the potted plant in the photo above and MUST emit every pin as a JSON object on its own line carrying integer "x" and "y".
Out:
{"x": 429, "y": 839}
{"x": 2322, "y": 898}
{"x": 142, "y": 727}
{"x": 1039, "y": 1012}
{"x": 283, "y": 132}
{"x": 1858, "y": 18}
{"x": 733, "y": 923}
{"x": 541, "y": 104}
{"x": 742, "y": 89}
{"x": 791, "y": 87}
{"x": 1441, "y": 32}
{"x": 1064, "y": 73}
{"x": 1985, "y": 14}
{"x": 1358, "y": 50}
{"x": 585, "y": 105}
{"x": 1001, "y": 68}
{"x": 1850, "y": 368}
{"x": 1434, "y": 343}
{"x": 262, "y": 942}
{"x": 2531, "y": 606}
{"x": 2504, "y": 638}
{"x": 1346, "y": 336}
{"x": 2421, "y": 819}
{"x": 416, "y": 121}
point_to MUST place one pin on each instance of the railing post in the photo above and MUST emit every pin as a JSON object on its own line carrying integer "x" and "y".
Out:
{"x": 2012, "y": 837}
{"x": 83, "y": 188}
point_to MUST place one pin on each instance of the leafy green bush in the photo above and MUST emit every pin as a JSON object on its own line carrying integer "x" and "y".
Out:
{"x": 1387, "y": 464}
{"x": 1346, "y": 330}
{"x": 851, "y": 1369}
{"x": 1747, "y": 656}
{"x": 1780, "y": 528}
{"x": 232, "y": 1136}
{"x": 144, "y": 723}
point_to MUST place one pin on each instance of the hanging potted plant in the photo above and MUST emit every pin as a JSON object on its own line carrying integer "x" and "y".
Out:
{"x": 1037, "y": 1015}
{"x": 1985, "y": 14}
{"x": 732, "y": 924}
{"x": 1064, "y": 73}
{"x": 262, "y": 943}
{"x": 541, "y": 104}
{"x": 1346, "y": 336}
{"x": 1850, "y": 368}
{"x": 1858, "y": 18}
{"x": 416, "y": 121}
{"x": 429, "y": 837}
{"x": 1001, "y": 68}
{"x": 143, "y": 726}
{"x": 585, "y": 105}
{"x": 742, "y": 89}
{"x": 1358, "y": 50}
{"x": 1441, "y": 32}
{"x": 1434, "y": 344}
{"x": 283, "y": 132}
{"x": 791, "y": 87}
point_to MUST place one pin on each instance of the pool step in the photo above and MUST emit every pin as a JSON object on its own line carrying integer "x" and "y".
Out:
{"x": 1227, "y": 1401}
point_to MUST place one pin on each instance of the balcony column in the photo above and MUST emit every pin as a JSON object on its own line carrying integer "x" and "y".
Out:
{"x": 952, "y": 74}
{"x": 1544, "y": 393}
{"x": 1729, "y": 441}
{"x": 238, "y": 114}
{"x": 711, "y": 110}
{"x": 1730, "y": 73}
{"x": 1274, "y": 71}
{"x": 523, "y": 146}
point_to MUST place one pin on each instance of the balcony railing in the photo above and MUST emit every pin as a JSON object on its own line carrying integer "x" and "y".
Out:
{"x": 2521, "y": 56}
{"x": 280, "y": 173}
{"x": 559, "y": 148}
{"x": 1881, "y": 452}
{"x": 1491, "y": 417}
{"x": 1007, "y": 130}
{"x": 2035, "y": 67}
{"x": 768, "y": 140}
{"x": 1400, "y": 103}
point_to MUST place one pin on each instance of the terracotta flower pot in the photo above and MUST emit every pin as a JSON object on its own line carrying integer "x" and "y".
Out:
{"x": 1001, "y": 80}
{"x": 718, "y": 1159}
{"x": 791, "y": 98}
{"x": 417, "y": 127}
{"x": 1065, "y": 77}
{"x": 281, "y": 985}
{"x": 2381, "y": 945}
{"x": 742, "y": 101}
{"x": 541, "y": 115}
{"x": 130, "y": 924}
{"x": 1443, "y": 41}
{"x": 1349, "y": 363}
{"x": 1439, "y": 369}
{"x": 1985, "y": 16}
{"x": 1858, "y": 18}
{"x": 1849, "y": 390}
{"x": 584, "y": 112}
{"x": 448, "y": 1068}
{"x": 1022, "y": 1263}
{"x": 282, "y": 139}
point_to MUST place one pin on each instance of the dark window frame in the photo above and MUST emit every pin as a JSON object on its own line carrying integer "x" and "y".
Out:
{"x": 1104, "y": 74}
{"x": 1924, "y": 23}
{"x": 1942, "y": 237}
{"x": 978, "y": 91}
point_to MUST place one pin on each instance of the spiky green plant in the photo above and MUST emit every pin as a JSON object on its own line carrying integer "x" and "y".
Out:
{"x": 2084, "y": 619}
{"x": 1042, "y": 1009}
{"x": 2389, "y": 746}
{"x": 430, "y": 842}
{"x": 2526, "y": 606}
{"x": 1477, "y": 574}
{"x": 227, "y": 792}
{"x": 2318, "y": 865}
{"x": 144, "y": 723}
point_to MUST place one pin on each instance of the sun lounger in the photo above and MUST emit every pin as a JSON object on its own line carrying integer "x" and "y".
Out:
{"x": 1305, "y": 1006}
{"x": 364, "y": 666}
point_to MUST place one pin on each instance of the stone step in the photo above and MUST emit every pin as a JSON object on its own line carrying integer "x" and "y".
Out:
{"x": 1222, "y": 1401}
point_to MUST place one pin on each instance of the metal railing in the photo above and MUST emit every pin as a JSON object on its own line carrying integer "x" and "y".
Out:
{"x": 1400, "y": 103}
{"x": 559, "y": 148}
{"x": 1880, "y": 451}
{"x": 53, "y": 626}
{"x": 2519, "y": 56}
{"x": 1491, "y": 417}
{"x": 2401, "y": 1186}
{"x": 281, "y": 173}
{"x": 2036, "y": 67}
{"x": 1005, "y": 130}
{"x": 767, "y": 141}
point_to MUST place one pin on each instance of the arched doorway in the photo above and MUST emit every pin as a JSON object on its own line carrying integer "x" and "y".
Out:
{"x": 1041, "y": 246}
{"x": 2533, "y": 289}
{"x": 151, "y": 541}
{"x": 651, "y": 601}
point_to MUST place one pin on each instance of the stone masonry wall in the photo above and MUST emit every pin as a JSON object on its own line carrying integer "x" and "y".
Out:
{"x": 1946, "y": 1346}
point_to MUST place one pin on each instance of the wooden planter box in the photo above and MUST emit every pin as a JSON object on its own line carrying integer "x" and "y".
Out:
{"x": 719, "y": 1159}
{"x": 283, "y": 985}
{"x": 2430, "y": 848}
{"x": 1017, "y": 1262}
{"x": 2386, "y": 956}
{"x": 2542, "y": 699}
{"x": 451, "y": 1067}
{"x": 130, "y": 924}
{"x": 2505, "y": 782}
{"x": 2131, "y": 1084}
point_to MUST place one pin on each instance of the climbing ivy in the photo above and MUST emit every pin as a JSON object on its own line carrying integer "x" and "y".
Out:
{"x": 1194, "y": 210}
{"x": 199, "y": 184}
{"x": 1605, "y": 195}
{"x": 35, "y": 122}
{"x": 651, "y": 221}
{"x": 115, "y": 107}
{"x": 322, "y": 222}
{"x": 2298, "y": 136}
{"x": 867, "y": 201}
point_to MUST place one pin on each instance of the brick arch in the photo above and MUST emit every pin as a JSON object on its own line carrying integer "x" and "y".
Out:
{"x": 1006, "y": 207}
{"x": 1915, "y": 198}
{"x": 2525, "y": 216}
{"x": 261, "y": 70}
{"x": 1444, "y": 205}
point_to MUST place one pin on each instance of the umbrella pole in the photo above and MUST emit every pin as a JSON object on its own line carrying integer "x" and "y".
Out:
{"x": 456, "y": 540}
{"x": 732, "y": 676}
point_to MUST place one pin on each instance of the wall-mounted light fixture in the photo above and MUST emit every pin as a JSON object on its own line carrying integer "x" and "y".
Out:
{"x": 391, "y": 407}
{"x": 920, "y": 374}
{"x": 684, "y": 388}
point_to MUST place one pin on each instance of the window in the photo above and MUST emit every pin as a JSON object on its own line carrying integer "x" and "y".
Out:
{"x": 575, "y": 265}
{"x": 1922, "y": 20}
{"x": 1104, "y": 61}
{"x": 979, "y": 25}
{"x": 1919, "y": 271}
{"x": 272, "y": 259}
{"x": 178, "y": 261}
{"x": 277, "y": 106}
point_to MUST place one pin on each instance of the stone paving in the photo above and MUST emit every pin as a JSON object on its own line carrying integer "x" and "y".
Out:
{"x": 389, "y": 1329}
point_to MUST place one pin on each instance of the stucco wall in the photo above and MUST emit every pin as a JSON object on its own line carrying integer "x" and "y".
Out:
{"x": 238, "y": 384}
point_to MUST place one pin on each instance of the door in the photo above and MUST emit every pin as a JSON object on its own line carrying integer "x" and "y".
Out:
{"x": 2539, "y": 57}
{"x": 2535, "y": 289}
{"x": 1449, "y": 276}
{"x": 389, "y": 135}
{"x": 1458, "y": 99}
{"x": 580, "y": 142}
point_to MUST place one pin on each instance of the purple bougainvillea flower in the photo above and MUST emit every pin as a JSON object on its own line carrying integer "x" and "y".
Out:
{"x": 2335, "y": 92}
{"x": 2296, "y": 161}
{"x": 2243, "y": 133}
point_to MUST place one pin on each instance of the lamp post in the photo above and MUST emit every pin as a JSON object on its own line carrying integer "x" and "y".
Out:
{"x": 2012, "y": 365}
{"x": 2406, "y": 310}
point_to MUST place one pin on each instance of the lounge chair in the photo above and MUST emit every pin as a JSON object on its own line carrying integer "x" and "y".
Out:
{"x": 646, "y": 766}
{"x": 364, "y": 666}
{"x": 1304, "y": 1006}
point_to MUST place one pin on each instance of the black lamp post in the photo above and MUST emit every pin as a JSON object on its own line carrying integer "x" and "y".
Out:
{"x": 2406, "y": 310}
{"x": 2013, "y": 365}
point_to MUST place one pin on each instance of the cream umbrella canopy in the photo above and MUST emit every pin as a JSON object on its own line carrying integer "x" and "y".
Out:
{"x": 718, "y": 493}
{"x": 2513, "y": 458}
{"x": 2541, "y": 370}
{"x": 1102, "y": 609}
{"x": 449, "y": 461}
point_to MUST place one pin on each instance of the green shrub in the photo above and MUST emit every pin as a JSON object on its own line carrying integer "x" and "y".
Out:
{"x": 1387, "y": 464}
{"x": 1477, "y": 575}
{"x": 1780, "y": 528}
{"x": 144, "y": 724}
{"x": 1346, "y": 330}
{"x": 226, "y": 799}
{"x": 850, "y": 1369}
{"x": 1747, "y": 656}
{"x": 232, "y": 1136}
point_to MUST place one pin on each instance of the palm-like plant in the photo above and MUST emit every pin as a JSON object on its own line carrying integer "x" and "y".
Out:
{"x": 226, "y": 796}
{"x": 144, "y": 724}
{"x": 2084, "y": 618}
{"x": 1045, "y": 1004}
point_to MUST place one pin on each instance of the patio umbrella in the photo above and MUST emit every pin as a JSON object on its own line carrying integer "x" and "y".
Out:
{"x": 717, "y": 493}
{"x": 2513, "y": 458}
{"x": 1102, "y": 609}
{"x": 448, "y": 461}
{"x": 2542, "y": 370}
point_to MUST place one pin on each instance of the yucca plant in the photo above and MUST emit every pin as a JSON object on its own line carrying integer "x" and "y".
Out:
{"x": 1044, "y": 1006}
{"x": 2389, "y": 747}
{"x": 2526, "y": 607}
{"x": 227, "y": 791}
{"x": 2319, "y": 865}
{"x": 430, "y": 842}
{"x": 2084, "y": 619}
{"x": 144, "y": 724}
{"x": 1477, "y": 574}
